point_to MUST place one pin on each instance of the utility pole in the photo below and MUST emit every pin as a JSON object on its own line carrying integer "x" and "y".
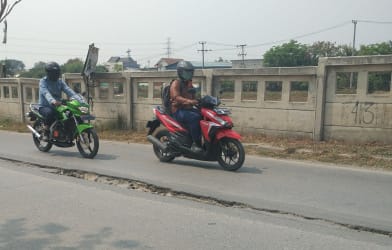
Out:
{"x": 129, "y": 53}
{"x": 353, "y": 53}
{"x": 5, "y": 32}
{"x": 242, "y": 54}
{"x": 168, "y": 48}
{"x": 355, "y": 32}
{"x": 203, "y": 50}
{"x": 4, "y": 64}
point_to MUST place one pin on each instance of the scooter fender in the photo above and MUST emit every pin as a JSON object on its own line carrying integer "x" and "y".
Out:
{"x": 82, "y": 127}
{"x": 227, "y": 133}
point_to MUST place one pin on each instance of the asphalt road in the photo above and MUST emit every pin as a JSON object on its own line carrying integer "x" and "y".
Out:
{"x": 45, "y": 211}
{"x": 290, "y": 193}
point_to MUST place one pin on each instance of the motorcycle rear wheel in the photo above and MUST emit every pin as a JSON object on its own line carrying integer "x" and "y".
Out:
{"x": 88, "y": 148}
{"x": 163, "y": 136}
{"x": 39, "y": 143}
{"x": 231, "y": 154}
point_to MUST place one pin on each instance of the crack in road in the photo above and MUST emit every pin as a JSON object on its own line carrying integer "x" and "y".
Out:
{"x": 163, "y": 191}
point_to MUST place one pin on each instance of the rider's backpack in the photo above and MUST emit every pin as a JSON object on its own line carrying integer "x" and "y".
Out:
{"x": 165, "y": 95}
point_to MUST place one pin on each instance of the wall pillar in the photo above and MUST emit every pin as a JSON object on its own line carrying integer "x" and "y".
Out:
{"x": 21, "y": 102}
{"x": 321, "y": 89}
{"x": 129, "y": 100}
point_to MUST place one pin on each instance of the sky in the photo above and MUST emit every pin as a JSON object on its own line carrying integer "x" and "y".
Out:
{"x": 59, "y": 30}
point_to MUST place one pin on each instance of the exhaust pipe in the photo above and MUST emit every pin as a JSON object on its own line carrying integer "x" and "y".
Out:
{"x": 34, "y": 131}
{"x": 157, "y": 143}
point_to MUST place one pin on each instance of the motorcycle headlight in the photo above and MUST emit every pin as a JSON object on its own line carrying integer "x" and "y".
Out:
{"x": 84, "y": 110}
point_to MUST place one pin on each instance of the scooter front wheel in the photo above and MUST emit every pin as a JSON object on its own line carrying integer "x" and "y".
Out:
{"x": 231, "y": 154}
{"x": 163, "y": 137}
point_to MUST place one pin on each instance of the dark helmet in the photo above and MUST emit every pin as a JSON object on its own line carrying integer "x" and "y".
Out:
{"x": 185, "y": 70}
{"x": 52, "y": 71}
{"x": 209, "y": 101}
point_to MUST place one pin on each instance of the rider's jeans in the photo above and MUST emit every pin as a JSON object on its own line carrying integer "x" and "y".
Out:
{"x": 49, "y": 114}
{"x": 191, "y": 120}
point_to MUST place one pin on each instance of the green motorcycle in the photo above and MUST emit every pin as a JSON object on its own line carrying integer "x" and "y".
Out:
{"x": 72, "y": 124}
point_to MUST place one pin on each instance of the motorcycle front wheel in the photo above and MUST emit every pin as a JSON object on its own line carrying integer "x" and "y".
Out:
{"x": 163, "y": 136}
{"x": 43, "y": 146}
{"x": 231, "y": 154}
{"x": 88, "y": 147}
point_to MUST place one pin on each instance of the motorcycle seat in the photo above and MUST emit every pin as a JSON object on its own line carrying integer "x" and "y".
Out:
{"x": 35, "y": 107}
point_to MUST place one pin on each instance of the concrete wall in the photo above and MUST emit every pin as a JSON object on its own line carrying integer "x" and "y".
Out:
{"x": 300, "y": 101}
{"x": 362, "y": 116}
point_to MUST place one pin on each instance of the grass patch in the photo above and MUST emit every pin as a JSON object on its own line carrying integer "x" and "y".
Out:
{"x": 10, "y": 125}
{"x": 370, "y": 155}
{"x": 129, "y": 136}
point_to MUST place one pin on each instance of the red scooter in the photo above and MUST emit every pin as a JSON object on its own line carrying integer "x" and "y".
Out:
{"x": 219, "y": 142}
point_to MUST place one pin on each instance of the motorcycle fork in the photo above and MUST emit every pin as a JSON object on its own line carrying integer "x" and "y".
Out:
{"x": 80, "y": 134}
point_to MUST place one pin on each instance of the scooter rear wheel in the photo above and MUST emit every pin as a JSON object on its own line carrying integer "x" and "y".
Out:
{"x": 231, "y": 154}
{"x": 163, "y": 136}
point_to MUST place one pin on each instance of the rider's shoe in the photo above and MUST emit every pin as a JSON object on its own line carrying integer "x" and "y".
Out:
{"x": 45, "y": 136}
{"x": 195, "y": 148}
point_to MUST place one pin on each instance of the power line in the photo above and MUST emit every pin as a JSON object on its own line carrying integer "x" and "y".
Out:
{"x": 375, "y": 22}
{"x": 78, "y": 47}
{"x": 302, "y": 36}
{"x": 282, "y": 40}
{"x": 82, "y": 42}
{"x": 222, "y": 44}
{"x": 185, "y": 47}
{"x": 47, "y": 54}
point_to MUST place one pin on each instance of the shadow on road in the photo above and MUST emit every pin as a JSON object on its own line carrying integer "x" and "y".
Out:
{"x": 16, "y": 234}
{"x": 99, "y": 156}
{"x": 215, "y": 166}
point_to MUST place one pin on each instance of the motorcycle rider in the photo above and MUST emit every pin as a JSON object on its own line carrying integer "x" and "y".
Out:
{"x": 50, "y": 89}
{"x": 182, "y": 101}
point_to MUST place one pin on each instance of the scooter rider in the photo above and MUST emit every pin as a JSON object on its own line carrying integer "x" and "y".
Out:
{"x": 50, "y": 89}
{"x": 182, "y": 102}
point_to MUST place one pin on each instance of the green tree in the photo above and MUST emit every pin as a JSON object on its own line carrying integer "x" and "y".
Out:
{"x": 295, "y": 54}
{"x": 13, "y": 67}
{"x": 384, "y": 48}
{"x": 327, "y": 49}
{"x": 345, "y": 50}
{"x": 72, "y": 66}
{"x": 37, "y": 71}
{"x": 101, "y": 69}
{"x": 289, "y": 54}
{"x": 118, "y": 67}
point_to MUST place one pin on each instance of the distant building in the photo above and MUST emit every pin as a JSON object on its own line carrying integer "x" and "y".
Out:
{"x": 116, "y": 63}
{"x": 167, "y": 63}
{"x": 212, "y": 65}
{"x": 248, "y": 63}
{"x": 171, "y": 64}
